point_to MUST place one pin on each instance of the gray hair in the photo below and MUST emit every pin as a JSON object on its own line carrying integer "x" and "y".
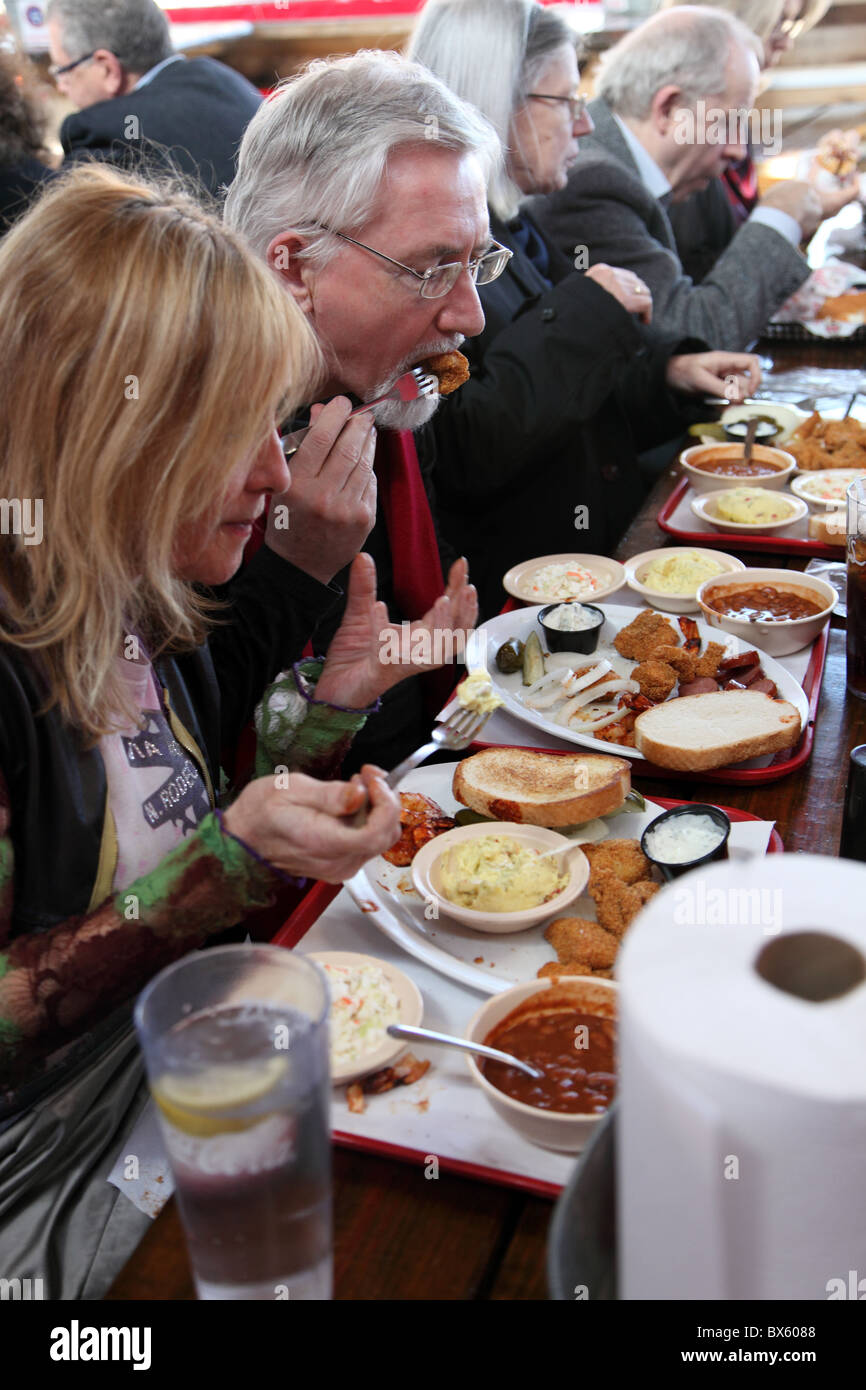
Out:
{"x": 316, "y": 152}
{"x": 135, "y": 31}
{"x": 491, "y": 52}
{"x": 688, "y": 46}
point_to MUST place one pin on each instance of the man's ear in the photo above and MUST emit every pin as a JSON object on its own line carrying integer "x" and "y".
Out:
{"x": 665, "y": 104}
{"x": 115, "y": 80}
{"x": 282, "y": 256}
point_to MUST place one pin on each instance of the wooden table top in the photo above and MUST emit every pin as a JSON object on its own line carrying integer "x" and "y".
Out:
{"x": 398, "y": 1235}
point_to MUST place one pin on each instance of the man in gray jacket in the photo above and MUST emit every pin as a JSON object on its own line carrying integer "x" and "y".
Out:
{"x": 671, "y": 113}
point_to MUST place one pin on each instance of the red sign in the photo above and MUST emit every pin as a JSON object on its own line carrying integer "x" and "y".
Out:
{"x": 302, "y": 10}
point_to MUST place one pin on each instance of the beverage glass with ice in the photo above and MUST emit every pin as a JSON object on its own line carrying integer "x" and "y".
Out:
{"x": 235, "y": 1041}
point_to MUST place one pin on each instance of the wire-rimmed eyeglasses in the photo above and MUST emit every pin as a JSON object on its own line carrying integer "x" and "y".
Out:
{"x": 576, "y": 101}
{"x": 441, "y": 279}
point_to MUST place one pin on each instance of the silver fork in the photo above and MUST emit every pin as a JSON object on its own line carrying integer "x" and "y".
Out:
{"x": 455, "y": 733}
{"x": 411, "y": 386}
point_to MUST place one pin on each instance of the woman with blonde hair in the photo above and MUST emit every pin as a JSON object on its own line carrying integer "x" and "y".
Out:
{"x": 145, "y": 355}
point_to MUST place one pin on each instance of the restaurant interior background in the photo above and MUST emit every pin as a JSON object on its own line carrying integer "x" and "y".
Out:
{"x": 819, "y": 85}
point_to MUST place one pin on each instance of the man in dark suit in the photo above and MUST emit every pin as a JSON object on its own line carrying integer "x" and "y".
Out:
{"x": 667, "y": 122}
{"x": 142, "y": 105}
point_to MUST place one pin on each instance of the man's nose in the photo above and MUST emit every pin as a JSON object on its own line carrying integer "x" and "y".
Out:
{"x": 461, "y": 310}
{"x": 584, "y": 124}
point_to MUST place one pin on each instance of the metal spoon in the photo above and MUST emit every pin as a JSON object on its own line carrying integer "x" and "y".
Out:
{"x": 403, "y": 1030}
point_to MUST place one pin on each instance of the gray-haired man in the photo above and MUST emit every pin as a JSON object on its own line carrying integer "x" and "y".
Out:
{"x": 362, "y": 183}
{"x": 668, "y": 118}
{"x": 140, "y": 103}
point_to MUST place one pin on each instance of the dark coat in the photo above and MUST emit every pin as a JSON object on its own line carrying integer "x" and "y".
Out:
{"x": 607, "y": 207}
{"x": 19, "y": 184}
{"x": 191, "y": 117}
{"x": 703, "y": 226}
{"x": 564, "y": 381}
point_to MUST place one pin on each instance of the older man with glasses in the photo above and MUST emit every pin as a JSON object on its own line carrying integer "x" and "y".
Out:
{"x": 139, "y": 103}
{"x": 362, "y": 184}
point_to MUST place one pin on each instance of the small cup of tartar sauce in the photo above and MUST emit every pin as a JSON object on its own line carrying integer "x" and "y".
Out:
{"x": 571, "y": 626}
{"x": 686, "y": 838}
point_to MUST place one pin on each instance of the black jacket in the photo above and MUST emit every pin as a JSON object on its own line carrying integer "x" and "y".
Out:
{"x": 57, "y": 789}
{"x": 191, "y": 117}
{"x": 19, "y": 184}
{"x": 563, "y": 382}
{"x": 704, "y": 226}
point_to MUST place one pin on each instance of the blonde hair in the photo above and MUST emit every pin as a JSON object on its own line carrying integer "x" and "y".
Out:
{"x": 762, "y": 16}
{"x": 144, "y": 352}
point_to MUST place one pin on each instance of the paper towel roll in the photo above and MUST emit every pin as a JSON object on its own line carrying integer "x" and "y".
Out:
{"x": 741, "y": 1151}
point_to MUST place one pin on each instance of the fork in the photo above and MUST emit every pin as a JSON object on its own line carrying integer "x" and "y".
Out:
{"x": 455, "y": 733}
{"x": 411, "y": 386}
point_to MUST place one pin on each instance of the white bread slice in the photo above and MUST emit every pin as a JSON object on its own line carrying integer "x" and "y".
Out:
{"x": 830, "y": 528}
{"x": 698, "y": 732}
{"x": 516, "y": 784}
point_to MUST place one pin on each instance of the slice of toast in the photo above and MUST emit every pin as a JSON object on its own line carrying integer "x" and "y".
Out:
{"x": 551, "y": 789}
{"x": 696, "y": 732}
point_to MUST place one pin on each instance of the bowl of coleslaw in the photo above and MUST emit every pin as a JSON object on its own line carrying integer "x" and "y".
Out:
{"x": 367, "y": 994}
{"x": 558, "y": 578}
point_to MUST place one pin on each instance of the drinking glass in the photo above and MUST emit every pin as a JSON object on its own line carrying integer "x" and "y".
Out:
{"x": 856, "y": 553}
{"x": 235, "y": 1041}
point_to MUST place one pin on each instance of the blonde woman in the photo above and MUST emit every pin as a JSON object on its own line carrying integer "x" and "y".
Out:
{"x": 144, "y": 358}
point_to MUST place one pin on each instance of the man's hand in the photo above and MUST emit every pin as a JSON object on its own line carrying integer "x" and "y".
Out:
{"x": 330, "y": 506}
{"x": 369, "y": 653}
{"x": 625, "y": 286}
{"x": 800, "y": 201}
{"x": 734, "y": 375}
{"x": 301, "y": 829}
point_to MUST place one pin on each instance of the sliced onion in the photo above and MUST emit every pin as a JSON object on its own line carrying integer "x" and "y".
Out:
{"x": 608, "y": 719}
{"x": 572, "y": 684}
{"x": 588, "y": 697}
{"x": 542, "y": 696}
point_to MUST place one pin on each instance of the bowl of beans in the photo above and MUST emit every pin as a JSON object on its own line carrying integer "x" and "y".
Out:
{"x": 566, "y": 1028}
{"x": 712, "y": 467}
{"x": 778, "y": 611}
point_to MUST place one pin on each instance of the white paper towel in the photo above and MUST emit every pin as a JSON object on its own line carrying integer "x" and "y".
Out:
{"x": 741, "y": 1142}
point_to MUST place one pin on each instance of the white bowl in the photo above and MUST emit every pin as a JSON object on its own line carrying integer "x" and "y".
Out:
{"x": 842, "y": 476}
{"x": 781, "y": 637}
{"x": 609, "y": 573}
{"x": 550, "y": 1129}
{"x": 788, "y": 417}
{"x": 720, "y": 482}
{"x": 425, "y": 875}
{"x": 673, "y": 603}
{"x": 411, "y": 1012}
{"x": 705, "y": 508}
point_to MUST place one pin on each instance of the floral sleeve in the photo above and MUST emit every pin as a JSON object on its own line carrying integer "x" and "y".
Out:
{"x": 300, "y": 733}
{"x": 56, "y": 984}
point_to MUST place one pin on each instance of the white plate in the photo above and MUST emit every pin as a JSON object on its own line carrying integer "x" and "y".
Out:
{"x": 704, "y": 506}
{"x": 610, "y": 573}
{"x": 491, "y": 635}
{"x": 799, "y": 486}
{"x": 485, "y": 962}
{"x": 674, "y": 603}
{"x": 409, "y": 998}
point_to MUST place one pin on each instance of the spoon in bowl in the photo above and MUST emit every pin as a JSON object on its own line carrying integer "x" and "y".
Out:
{"x": 426, "y": 1035}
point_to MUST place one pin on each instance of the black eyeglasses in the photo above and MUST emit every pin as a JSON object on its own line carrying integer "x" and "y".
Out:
{"x": 441, "y": 279}
{"x": 576, "y": 102}
{"x": 67, "y": 67}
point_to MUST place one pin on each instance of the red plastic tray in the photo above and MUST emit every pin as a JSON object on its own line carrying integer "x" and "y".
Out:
{"x": 789, "y": 760}
{"x": 296, "y": 927}
{"x": 779, "y": 545}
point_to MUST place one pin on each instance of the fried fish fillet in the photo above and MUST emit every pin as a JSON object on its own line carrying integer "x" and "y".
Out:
{"x": 625, "y": 858}
{"x": 452, "y": 369}
{"x": 617, "y": 903}
{"x": 640, "y": 637}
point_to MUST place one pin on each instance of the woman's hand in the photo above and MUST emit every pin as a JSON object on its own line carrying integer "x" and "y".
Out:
{"x": 628, "y": 288}
{"x": 301, "y": 829}
{"x": 369, "y": 653}
{"x": 734, "y": 375}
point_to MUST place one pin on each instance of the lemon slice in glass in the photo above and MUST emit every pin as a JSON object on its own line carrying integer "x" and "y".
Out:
{"x": 197, "y": 1104}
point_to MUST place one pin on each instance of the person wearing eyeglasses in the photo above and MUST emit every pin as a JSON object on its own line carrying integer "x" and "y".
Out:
{"x": 705, "y": 223}
{"x": 140, "y": 104}
{"x": 361, "y": 183}
{"x": 536, "y": 454}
